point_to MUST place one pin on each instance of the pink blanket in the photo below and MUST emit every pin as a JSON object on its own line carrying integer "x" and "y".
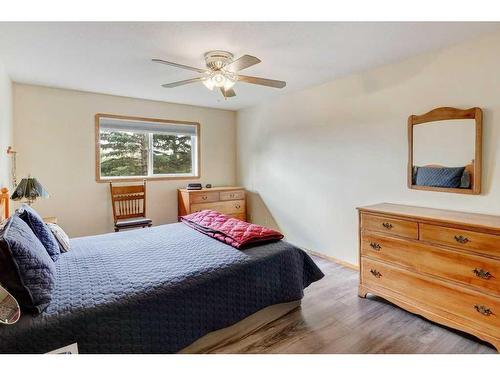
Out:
{"x": 234, "y": 232}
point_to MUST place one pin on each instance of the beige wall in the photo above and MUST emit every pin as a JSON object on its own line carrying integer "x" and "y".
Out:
{"x": 6, "y": 127}
{"x": 311, "y": 157}
{"x": 54, "y": 138}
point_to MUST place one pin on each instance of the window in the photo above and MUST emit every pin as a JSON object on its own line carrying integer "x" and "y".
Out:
{"x": 136, "y": 148}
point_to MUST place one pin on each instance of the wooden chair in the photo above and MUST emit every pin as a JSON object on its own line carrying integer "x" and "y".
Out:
{"x": 129, "y": 206}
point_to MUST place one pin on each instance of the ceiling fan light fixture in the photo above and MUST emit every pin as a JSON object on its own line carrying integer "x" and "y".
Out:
{"x": 218, "y": 79}
{"x": 209, "y": 83}
{"x": 222, "y": 72}
{"x": 229, "y": 83}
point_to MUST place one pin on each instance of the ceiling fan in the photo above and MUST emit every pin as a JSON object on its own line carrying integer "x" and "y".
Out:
{"x": 222, "y": 72}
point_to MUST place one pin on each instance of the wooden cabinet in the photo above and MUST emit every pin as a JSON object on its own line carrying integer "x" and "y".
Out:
{"x": 443, "y": 265}
{"x": 228, "y": 200}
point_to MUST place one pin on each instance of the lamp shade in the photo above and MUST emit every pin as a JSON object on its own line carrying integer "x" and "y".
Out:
{"x": 29, "y": 189}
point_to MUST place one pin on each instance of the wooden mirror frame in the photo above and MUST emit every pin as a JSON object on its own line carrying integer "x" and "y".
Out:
{"x": 449, "y": 113}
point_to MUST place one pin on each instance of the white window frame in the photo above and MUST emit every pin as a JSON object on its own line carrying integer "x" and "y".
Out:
{"x": 195, "y": 150}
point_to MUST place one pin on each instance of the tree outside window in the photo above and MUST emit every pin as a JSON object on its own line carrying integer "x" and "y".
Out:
{"x": 129, "y": 148}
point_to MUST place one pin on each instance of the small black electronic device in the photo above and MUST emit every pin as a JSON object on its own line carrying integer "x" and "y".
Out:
{"x": 194, "y": 187}
{"x": 208, "y": 186}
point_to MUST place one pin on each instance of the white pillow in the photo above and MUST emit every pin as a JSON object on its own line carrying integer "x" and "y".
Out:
{"x": 61, "y": 236}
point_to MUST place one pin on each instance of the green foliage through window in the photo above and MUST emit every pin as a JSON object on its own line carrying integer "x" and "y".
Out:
{"x": 171, "y": 154}
{"x": 123, "y": 154}
{"x": 126, "y": 153}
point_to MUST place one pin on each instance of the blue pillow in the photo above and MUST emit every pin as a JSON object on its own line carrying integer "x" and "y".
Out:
{"x": 41, "y": 230}
{"x": 26, "y": 270}
{"x": 439, "y": 177}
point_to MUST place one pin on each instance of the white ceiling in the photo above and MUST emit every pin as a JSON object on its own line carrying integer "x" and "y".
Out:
{"x": 114, "y": 58}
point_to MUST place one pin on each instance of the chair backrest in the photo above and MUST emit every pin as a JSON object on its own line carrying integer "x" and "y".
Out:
{"x": 128, "y": 201}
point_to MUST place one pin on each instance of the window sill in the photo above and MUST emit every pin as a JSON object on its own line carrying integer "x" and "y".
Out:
{"x": 149, "y": 178}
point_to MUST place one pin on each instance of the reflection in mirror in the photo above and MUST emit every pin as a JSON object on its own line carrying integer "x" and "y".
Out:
{"x": 448, "y": 143}
{"x": 9, "y": 308}
{"x": 443, "y": 153}
{"x": 445, "y": 150}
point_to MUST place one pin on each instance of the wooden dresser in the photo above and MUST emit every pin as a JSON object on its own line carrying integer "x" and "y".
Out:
{"x": 443, "y": 265}
{"x": 228, "y": 200}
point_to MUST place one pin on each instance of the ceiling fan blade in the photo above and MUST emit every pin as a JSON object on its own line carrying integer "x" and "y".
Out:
{"x": 185, "y": 82}
{"x": 227, "y": 93}
{"x": 179, "y": 65}
{"x": 262, "y": 81}
{"x": 243, "y": 62}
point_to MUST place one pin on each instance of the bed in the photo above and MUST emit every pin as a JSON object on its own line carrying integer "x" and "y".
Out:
{"x": 4, "y": 203}
{"x": 165, "y": 289}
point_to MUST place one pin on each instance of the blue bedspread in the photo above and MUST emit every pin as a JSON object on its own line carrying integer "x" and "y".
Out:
{"x": 157, "y": 290}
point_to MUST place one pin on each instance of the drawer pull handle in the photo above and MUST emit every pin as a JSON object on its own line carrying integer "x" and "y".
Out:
{"x": 461, "y": 239}
{"x": 375, "y": 273}
{"x": 231, "y": 195}
{"x": 481, "y": 309}
{"x": 204, "y": 197}
{"x": 237, "y": 206}
{"x": 482, "y": 274}
{"x": 387, "y": 225}
{"x": 375, "y": 246}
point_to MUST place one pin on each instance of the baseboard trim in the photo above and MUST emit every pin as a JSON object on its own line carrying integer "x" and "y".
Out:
{"x": 333, "y": 259}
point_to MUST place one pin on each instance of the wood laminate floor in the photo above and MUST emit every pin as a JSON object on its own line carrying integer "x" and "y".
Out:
{"x": 333, "y": 319}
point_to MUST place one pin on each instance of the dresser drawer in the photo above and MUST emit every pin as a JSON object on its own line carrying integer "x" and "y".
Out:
{"x": 461, "y": 239}
{"x": 481, "y": 272}
{"x": 242, "y": 217}
{"x": 481, "y": 309}
{"x": 397, "y": 227}
{"x": 212, "y": 196}
{"x": 232, "y": 195}
{"x": 225, "y": 207}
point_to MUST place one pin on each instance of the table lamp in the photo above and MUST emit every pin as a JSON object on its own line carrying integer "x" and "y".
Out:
{"x": 30, "y": 190}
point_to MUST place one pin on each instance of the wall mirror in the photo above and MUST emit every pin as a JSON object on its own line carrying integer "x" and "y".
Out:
{"x": 445, "y": 147}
